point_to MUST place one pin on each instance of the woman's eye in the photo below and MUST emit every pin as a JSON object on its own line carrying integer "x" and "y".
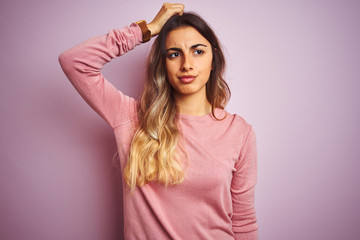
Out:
{"x": 174, "y": 55}
{"x": 199, "y": 52}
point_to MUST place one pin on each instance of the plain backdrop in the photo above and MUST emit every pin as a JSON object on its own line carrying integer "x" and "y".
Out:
{"x": 293, "y": 68}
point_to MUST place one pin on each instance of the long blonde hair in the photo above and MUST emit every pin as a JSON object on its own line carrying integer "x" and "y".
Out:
{"x": 156, "y": 149}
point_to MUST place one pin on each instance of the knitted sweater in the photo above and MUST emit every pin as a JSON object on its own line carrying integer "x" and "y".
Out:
{"x": 216, "y": 199}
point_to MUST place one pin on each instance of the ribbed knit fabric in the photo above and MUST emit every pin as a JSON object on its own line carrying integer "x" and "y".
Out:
{"x": 216, "y": 199}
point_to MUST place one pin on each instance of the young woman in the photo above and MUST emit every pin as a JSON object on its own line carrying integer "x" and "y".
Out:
{"x": 189, "y": 166}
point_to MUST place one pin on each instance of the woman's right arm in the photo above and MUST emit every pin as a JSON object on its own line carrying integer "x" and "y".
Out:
{"x": 82, "y": 65}
{"x": 83, "y": 62}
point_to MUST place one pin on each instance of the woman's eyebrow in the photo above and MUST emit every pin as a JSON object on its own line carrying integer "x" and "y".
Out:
{"x": 192, "y": 47}
{"x": 174, "y": 49}
{"x": 198, "y": 45}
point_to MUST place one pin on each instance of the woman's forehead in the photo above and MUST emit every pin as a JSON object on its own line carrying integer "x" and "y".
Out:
{"x": 185, "y": 37}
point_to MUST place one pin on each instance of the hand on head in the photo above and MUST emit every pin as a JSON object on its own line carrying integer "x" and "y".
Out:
{"x": 167, "y": 11}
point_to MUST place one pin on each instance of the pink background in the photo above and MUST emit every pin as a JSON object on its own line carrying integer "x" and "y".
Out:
{"x": 293, "y": 67}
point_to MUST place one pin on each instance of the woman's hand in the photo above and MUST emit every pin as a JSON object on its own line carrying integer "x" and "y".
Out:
{"x": 167, "y": 10}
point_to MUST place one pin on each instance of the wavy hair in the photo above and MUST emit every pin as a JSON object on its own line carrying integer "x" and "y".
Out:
{"x": 156, "y": 149}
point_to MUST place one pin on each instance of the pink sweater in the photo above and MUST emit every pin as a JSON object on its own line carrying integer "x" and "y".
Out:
{"x": 216, "y": 200}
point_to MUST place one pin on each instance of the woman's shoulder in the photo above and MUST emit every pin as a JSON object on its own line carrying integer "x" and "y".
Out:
{"x": 236, "y": 128}
{"x": 233, "y": 118}
{"x": 236, "y": 125}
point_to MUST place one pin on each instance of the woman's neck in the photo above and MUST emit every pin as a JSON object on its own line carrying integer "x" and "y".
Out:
{"x": 194, "y": 104}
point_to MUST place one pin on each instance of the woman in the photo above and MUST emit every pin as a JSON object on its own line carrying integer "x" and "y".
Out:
{"x": 189, "y": 166}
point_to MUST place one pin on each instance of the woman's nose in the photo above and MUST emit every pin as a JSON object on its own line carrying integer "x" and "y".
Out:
{"x": 187, "y": 63}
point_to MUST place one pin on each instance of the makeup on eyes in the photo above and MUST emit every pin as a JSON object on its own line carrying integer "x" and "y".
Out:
{"x": 179, "y": 51}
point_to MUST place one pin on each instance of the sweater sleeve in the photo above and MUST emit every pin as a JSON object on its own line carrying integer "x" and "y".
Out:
{"x": 82, "y": 64}
{"x": 244, "y": 222}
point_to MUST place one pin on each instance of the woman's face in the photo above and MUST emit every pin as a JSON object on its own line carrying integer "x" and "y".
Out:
{"x": 188, "y": 61}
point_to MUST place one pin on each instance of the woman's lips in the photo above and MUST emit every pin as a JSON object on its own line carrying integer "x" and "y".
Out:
{"x": 187, "y": 78}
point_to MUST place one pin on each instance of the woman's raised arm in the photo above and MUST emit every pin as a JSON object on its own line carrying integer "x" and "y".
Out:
{"x": 83, "y": 62}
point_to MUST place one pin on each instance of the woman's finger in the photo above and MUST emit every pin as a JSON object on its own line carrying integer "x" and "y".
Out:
{"x": 167, "y": 10}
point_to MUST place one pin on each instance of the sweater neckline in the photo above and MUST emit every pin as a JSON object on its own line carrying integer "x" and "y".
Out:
{"x": 219, "y": 113}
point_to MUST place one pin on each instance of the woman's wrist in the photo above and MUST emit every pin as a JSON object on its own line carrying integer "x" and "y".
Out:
{"x": 152, "y": 29}
{"x": 145, "y": 31}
